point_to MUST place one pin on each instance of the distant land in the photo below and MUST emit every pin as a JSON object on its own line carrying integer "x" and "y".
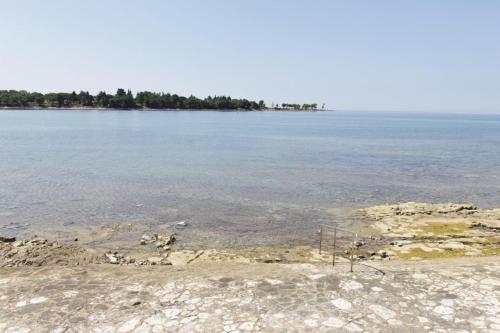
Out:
{"x": 126, "y": 100}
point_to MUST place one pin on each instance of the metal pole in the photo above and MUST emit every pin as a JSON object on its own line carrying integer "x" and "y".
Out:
{"x": 352, "y": 251}
{"x": 320, "y": 237}
{"x": 334, "y": 245}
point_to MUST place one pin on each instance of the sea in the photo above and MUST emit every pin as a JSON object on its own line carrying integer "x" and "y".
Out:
{"x": 233, "y": 178}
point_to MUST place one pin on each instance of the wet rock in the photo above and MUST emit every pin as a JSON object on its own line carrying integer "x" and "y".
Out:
{"x": 181, "y": 224}
{"x": 7, "y": 239}
{"x": 162, "y": 242}
{"x": 36, "y": 241}
{"x": 116, "y": 258}
{"x": 269, "y": 259}
{"x": 413, "y": 208}
{"x": 19, "y": 243}
{"x": 129, "y": 260}
{"x": 155, "y": 260}
{"x": 39, "y": 252}
{"x": 158, "y": 261}
{"x": 113, "y": 258}
{"x": 360, "y": 243}
{"x": 382, "y": 254}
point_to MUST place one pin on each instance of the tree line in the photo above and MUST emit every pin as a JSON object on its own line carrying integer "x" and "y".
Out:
{"x": 124, "y": 100}
{"x": 313, "y": 106}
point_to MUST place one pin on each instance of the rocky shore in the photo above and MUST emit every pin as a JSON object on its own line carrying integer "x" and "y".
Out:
{"x": 403, "y": 231}
{"x": 426, "y": 231}
{"x": 418, "y": 267}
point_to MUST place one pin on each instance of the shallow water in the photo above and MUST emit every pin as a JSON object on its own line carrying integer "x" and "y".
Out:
{"x": 235, "y": 177}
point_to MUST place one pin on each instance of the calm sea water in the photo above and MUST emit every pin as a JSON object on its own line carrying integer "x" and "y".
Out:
{"x": 235, "y": 177}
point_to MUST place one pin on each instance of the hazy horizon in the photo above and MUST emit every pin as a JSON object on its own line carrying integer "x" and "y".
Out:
{"x": 422, "y": 56}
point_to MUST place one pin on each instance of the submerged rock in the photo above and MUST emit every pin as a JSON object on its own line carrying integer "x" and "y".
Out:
{"x": 181, "y": 224}
{"x": 7, "y": 239}
{"x": 162, "y": 242}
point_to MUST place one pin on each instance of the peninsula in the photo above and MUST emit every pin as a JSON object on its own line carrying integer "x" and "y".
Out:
{"x": 126, "y": 100}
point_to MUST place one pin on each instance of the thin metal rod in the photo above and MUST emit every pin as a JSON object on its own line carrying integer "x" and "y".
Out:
{"x": 352, "y": 251}
{"x": 334, "y": 245}
{"x": 339, "y": 229}
{"x": 320, "y": 237}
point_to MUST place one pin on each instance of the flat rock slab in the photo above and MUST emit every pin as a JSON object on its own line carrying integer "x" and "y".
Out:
{"x": 442, "y": 296}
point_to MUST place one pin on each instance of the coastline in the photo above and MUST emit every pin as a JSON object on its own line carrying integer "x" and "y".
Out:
{"x": 65, "y": 287}
{"x": 406, "y": 231}
{"x": 86, "y": 108}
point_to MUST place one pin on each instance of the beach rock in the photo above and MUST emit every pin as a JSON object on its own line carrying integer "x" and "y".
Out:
{"x": 7, "y": 239}
{"x": 129, "y": 260}
{"x": 181, "y": 224}
{"x": 154, "y": 260}
{"x": 112, "y": 258}
{"x": 382, "y": 254}
{"x": 162, "y": 242}
{"x": 269, "y": 259}
{"x": 158, "y": 261}
{"x": 147, "y": 239}
{"x": 39, "y": 252}
{"x": 437, "y": 230}
{"x": 414, "y": 208}
{"x": 36, "y": 241}
{"x": 360, "y": 243}
{"x": 19, "y": 243}
{"x": 117, "y": 258}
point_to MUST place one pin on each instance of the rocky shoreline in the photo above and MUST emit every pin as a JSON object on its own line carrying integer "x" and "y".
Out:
{"x": 429, "y": 231}
{"x": 51, "y": 286}
{"x": 404, "y": 231}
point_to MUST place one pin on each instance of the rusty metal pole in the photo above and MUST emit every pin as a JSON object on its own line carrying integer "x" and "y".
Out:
{"x": 320, "y": 237}
{"x": 334, "y": 245}
{"x": 352, "y": 251}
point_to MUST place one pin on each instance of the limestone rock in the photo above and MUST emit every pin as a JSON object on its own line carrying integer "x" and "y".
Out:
{"x": 6, "y": 239}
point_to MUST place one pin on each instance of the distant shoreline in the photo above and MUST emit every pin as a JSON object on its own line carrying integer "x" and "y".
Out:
{"x": 142, "y": 100}
{"x": 87, "y": 108}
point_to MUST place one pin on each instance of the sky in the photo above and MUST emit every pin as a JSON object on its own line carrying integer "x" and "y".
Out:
{"x": 421, "y": 55}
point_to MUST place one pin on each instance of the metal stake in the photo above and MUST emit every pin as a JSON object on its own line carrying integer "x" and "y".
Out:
{"x": 352, "y": 252}
{"x": 320, "y": 237}
{"x": 334, "y": 245}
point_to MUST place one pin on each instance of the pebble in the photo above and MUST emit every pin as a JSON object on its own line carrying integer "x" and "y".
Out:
{"x": 342, "y": 304}
{"x": 38, "y": 300}
{"x": 349, "y": 285}
{"x": 333, "y": 322}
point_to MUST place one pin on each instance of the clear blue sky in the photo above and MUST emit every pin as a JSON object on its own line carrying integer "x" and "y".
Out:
{"x": 359, "y": 55}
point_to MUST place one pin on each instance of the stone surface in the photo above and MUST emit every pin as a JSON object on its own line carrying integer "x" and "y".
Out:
{"x": 425, "y": 231}
{"x": 454, "y": 295}
{"x": 39, "y": 252}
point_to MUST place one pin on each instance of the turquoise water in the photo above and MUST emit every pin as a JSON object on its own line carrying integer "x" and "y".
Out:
{"x": 235, "y": 177}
